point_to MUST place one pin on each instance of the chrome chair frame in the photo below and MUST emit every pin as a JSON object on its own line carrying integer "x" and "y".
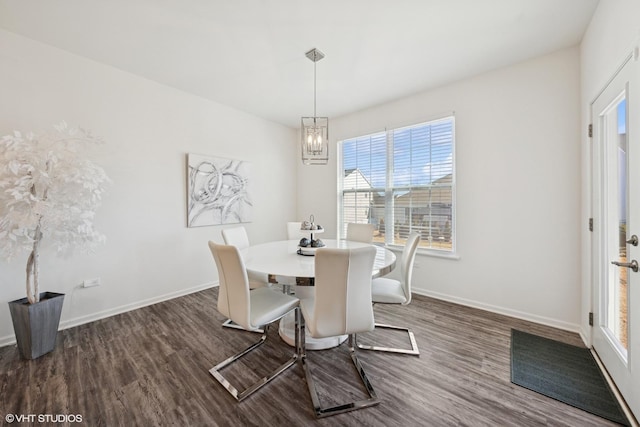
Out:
{"x": 414, "y": 344}
{"x": 241, "y": 395}
{"x": 407, "y": 265}
{"x": 320, "y": 411}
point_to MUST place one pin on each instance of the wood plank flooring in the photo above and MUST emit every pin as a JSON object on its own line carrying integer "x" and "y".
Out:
{"x": 150, "y": 367}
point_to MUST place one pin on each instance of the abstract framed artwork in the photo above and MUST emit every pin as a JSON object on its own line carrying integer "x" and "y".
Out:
{"x": 218, "y": 191}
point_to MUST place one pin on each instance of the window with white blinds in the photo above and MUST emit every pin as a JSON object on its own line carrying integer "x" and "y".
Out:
{"x": 401, "y": 180}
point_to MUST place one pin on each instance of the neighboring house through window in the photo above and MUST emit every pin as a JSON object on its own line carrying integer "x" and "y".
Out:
{"x": 401, "y": 180}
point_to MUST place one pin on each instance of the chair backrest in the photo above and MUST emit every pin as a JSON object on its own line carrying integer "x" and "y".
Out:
{"x": 294, "y": 232}
{"x": 406, "y": 265}
{"x": 236, "y": 236}
{"x": 360, "y": 232}
{"x": 233, "y": 293}
{"x": 342, "y": 302}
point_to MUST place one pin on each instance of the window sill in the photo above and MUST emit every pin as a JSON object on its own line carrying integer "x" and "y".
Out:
{"x": 426, "y": 252}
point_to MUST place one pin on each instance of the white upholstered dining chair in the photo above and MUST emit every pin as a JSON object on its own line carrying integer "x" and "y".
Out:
{"x": 341, "y": 305}
{"x": 294, "y": 232}
{"x": 237, "y": 236}
{"x": 251, "y": 309}
{"x": 390, "y": 291}
{"x": 360, "y": 232}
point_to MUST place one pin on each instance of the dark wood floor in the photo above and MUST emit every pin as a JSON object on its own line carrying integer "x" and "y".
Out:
{"x": 150, "y": 367}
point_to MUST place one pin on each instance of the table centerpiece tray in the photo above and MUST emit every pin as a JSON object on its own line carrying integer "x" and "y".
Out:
{"x": 308, "y": 250}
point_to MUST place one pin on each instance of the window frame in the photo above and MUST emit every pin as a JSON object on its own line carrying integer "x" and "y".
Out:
{"x": 389, "y": 188}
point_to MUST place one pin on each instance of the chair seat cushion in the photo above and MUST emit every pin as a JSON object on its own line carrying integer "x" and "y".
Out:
{"x": 387, "y": 291}
{"x": 268, "y": 305}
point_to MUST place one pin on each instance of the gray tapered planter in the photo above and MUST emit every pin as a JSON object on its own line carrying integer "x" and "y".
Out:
{"x": 36, "y": 325}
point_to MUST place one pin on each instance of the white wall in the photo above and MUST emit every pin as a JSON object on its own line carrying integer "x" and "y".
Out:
{"x": 518, "y": 187}
{"x": 613, "y": 30}
{"x": 150, "y": 253}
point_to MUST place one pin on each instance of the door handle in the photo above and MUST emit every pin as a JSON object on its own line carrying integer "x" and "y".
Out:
{"x": 632, "y": 265}
{"x": 633, "y": 240}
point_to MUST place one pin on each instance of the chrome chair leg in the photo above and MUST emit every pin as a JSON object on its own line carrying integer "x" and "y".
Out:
{"x": 322, "y": 412}
{"x": 414, "y": 345}
{"x": 241, "y": 395}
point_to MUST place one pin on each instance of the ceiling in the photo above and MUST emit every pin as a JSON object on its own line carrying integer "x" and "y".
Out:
{"x": 250, "y": 54}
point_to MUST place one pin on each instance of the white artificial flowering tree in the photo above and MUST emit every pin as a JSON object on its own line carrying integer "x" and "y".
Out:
{"x": 49, "y": 192}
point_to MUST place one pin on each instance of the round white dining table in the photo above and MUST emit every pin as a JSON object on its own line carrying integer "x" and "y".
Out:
{"x": 282, "y": 263}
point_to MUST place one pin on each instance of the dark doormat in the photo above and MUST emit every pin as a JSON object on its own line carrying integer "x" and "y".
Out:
{"x": 563, "y": 372}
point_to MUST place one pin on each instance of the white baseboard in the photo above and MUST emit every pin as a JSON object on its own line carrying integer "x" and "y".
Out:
{"x": 81, "y": 320}
{"x": 502, "y": 310}
{"x": 586, "y": 337}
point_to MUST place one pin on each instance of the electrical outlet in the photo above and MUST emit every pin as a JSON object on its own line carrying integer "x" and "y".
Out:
{"x": 89, "y": 283}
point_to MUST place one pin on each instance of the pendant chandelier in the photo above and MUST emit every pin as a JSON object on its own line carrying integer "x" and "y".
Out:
{"x": 315, "y": 130}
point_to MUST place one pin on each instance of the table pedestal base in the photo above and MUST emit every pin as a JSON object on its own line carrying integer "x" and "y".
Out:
{"x": 288, "y": 334}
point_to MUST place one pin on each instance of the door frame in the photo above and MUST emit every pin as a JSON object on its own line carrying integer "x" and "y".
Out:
{"x": 595, "y": 248}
